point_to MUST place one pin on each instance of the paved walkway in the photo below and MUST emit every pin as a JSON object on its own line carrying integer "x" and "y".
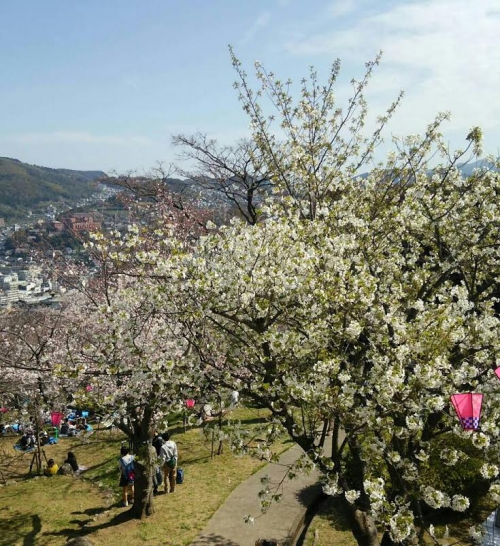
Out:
{"x": 227, "y": 526}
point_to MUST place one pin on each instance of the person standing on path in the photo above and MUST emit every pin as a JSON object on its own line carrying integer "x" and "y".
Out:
{"x": 169, "y": 457}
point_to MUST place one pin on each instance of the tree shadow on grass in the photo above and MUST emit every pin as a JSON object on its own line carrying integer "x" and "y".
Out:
{"x": 30, "y": 538}
{"x": 86, "y": 529}
{"x": 14, "y": 529}
{"x": 96, "y": 466}
{"x": 196, "y": 460}
{"x": 332, "y": 509}
{"x": 92, "y": 511}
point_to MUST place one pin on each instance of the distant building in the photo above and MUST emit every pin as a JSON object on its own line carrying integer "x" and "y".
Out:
{"x": 9, "y": 289}
{"x": 80, "y": 221}
{"x": 56, "y": 226}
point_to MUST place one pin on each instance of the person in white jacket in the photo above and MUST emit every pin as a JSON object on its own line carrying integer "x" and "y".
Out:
{"x": 169, "y": 457}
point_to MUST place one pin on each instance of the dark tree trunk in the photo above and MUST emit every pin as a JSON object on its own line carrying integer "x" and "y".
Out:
{"x": 143, "y": 500}
{"x": 362, "y": 525}
{"x": 140, "y": 435}
{"x": 324, "y": 431}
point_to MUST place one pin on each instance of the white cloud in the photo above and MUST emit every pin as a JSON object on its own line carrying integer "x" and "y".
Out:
{"x": 444, "y": 53}
{"x": 261, "y": 22}
{"x": 340, "y": 8}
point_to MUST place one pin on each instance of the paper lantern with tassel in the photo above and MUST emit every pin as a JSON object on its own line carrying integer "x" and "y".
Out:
{"x": 468, "y": 408}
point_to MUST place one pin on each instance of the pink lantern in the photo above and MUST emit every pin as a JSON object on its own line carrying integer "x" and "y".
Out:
{"x": 468, "y": 408}
{"x": 190, "y": 403}
{"x": 56, "y": 418}
{"x": 89, "y": 388}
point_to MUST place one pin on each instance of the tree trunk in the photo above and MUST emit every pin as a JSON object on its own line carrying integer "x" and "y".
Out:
{"x": 362, "y": 525}
{"x": 366, "y": 530}
{"x": 143, "y": 500}
{"x": 324, "y": 430}
{"x": 144, "y": 473}
{"x": 145, "y": 469}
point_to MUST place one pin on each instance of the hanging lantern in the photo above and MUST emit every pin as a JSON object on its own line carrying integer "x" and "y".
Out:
{"x": 468, "y": 408}
{"x": 190, "y": 403}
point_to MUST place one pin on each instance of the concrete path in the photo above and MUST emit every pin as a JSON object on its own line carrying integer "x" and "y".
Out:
{"x": 227, "y": 526}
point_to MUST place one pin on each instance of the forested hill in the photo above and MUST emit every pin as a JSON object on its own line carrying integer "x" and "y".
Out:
{"x": 25, "y": 187}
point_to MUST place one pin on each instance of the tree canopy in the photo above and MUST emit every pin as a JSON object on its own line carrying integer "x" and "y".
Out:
{"x": 367, "y": 299}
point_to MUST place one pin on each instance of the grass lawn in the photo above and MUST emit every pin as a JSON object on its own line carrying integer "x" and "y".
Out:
{"x": 329, "y": 528}
{"x": 42, "y": 511}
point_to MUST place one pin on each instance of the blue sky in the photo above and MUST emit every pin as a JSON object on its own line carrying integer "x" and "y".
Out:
{"x": 103, "y": 84}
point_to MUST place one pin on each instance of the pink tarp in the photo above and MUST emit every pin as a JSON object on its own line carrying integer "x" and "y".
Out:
{"x": 468, "y": 408}
{"x": 56, "y": 418}
{"x": 497, "y": 371}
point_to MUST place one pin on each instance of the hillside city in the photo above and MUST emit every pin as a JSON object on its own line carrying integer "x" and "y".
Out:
{"x": 25, "y": 278}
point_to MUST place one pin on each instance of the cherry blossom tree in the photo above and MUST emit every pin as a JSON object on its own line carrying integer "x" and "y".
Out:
{"x": 124, "y": 345}
{"x": 126, "y": 359}
{"x": 28, "y": 387}
{"x": 368, "y": 300}
{"x": 26, "y": 340}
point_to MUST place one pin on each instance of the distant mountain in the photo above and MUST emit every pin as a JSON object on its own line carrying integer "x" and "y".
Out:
{"x": 468, "y": 168}
{"x": 26, "y": 187}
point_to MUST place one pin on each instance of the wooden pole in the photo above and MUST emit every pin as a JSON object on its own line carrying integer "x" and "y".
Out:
{"x": 37, "y": 438}
{"x": 219, "y": 450}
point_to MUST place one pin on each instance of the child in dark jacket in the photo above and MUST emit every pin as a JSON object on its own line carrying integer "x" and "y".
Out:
{"x": 71, "y": 460}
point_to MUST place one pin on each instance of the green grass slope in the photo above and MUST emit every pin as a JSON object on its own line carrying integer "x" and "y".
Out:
{"x": 24, "y": 186}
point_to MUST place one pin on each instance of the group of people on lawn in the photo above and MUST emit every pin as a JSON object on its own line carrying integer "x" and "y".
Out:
{"x": 164, "y": 452}
{"x": 73, "y": 427}
{"x": 53, "y": 468}
{"x": 28, "y": 441}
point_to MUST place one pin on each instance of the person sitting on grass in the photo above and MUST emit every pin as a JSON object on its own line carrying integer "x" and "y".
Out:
{"x": 71, "y": 460}
{"x": 27, "y": 442}
{"x": 127, "y": 475}
{"x": 52, "y": 468}
{"x": 64, "y": 428}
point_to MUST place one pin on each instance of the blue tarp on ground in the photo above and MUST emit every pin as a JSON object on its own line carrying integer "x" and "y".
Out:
{"x": 19, "y": 448}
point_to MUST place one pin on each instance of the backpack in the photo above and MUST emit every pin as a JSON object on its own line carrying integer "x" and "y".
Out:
{"x": 171, "y": 463}
{"x": 180, "y": 476}
{"x": 128, "y": 469}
